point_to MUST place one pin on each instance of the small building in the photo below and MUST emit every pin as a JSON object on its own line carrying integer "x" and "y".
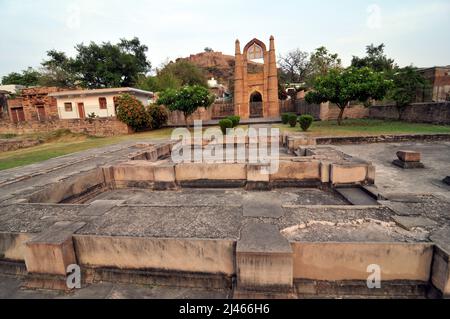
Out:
{"x": 34, "y": 105}
{"x": 439, "y": 79}
{"x": 80, "y": 104}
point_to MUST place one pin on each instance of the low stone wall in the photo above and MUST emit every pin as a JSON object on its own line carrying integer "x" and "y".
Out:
{"x": 7, "y": 145}
{"x": 177, "y": 118}
{"x": 98, "y": 127}
{"x": 435, "y": 113}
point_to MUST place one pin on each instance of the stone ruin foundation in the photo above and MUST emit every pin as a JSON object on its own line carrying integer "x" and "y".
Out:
{"x": 309, "y": 230}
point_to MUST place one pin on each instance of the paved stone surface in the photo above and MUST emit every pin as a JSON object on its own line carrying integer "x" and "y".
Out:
{"x": 10, "y": 288}
{"x": 262, "y": 238}
{"x": 262, "y": 204}
{"x": 357, "y": 196}
{"x": 391, "y": 179}
{"x": 412, "y": 222}
{"x": 100, "y": 207}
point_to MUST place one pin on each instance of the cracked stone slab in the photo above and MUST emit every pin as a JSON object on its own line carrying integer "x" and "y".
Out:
{"x": 357, "y": 196}
{"x": 399, "y": 208}
{"x": 262, "y": 238}
{"x": 100, "y": 207}
{"x": 442, "y": 238}
{"x": 408, "y": 222}
{"x": 58, "y": 233}
{"x": 262, "y": 204}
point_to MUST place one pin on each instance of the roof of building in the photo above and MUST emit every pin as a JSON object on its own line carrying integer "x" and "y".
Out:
{"x": 434, "y": 67}
{"x": 101, "y": 91}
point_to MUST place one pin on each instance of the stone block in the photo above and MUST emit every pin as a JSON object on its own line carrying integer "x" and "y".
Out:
{"x": 134, "y": 171}
{"x": 159, "y": 254}
{"x": 304, "y": 170}
{"x": 165, "y": 177}
{"x": 100, "y": 207}
{"x": 255, "y": 174}
{"x": 263, "y": 258}
{"x": 52, "y": 251}
{"x": 440, "y": 276}
{"x": 348, "y": 173}
{"x": 409, "y": 156}
{"x": 206, "y": 171}
{"x": 349, "y": 261}
{"x": 325, "y": 168}
{"x": 408, "y": 165}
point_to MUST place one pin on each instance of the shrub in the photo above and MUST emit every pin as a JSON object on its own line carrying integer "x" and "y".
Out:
{"x": 159, "y": 116}
{"x": 305, "y": 121}
{"x": 235, "y": 119}
{"x": 285, "y": 118}
{"x": 132, "y": 112}
{"x": 292, "y": 120}
{"x": 225, "y": 124}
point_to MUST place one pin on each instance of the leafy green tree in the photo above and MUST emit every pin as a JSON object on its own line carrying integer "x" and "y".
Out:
{"x": 375, "y": 59}
{"x": 186, "y": 100}
{"x": 28, "y": 77}
{"x": 322, "y": 61}
{"x": 185, "y": 72}
{"x": 101, "y": 65}
{"x": 406, "y": 83}
{"x": 58, "y": 70}
{"x": 343, "y": 86}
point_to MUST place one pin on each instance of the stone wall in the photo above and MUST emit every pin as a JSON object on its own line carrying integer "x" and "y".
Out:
{"x": 97, "y": 127}
{"x": 177, "y": 118}
{"x": 435, "y": 113}
{"x": 37, "y": 105}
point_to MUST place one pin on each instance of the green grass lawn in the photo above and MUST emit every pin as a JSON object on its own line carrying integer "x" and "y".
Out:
{"x": 62, "y": 144}
{"x": 366, "y": 127}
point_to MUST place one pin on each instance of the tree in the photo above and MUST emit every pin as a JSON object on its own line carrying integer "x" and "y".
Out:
{"x": 343, "y": 86}
{"x": 406, "y": 83}
{"x": 185, "y": 72}
{"x": 58, "y": 70}
{"x": 295, "y": 66}
{"x": 186, "y": 100}
{"x": 375, "y": 59}
{"x": 132, "y": 112}
{"x": 28, "y": 77}
{"x": 322, "y": 61}
{"x": 208, "y": 49}
{"x": 100, "y": 65}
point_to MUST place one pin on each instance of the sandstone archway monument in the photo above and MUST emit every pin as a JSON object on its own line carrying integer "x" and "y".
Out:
{"x": 262, "y": 83}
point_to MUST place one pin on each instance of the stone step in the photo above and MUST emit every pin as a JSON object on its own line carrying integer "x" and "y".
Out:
{"x": 357, "y": 196}
{"x": 264, "y": 259}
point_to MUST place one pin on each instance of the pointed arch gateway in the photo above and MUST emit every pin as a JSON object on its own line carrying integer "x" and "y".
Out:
{"x": 256, "y": 94}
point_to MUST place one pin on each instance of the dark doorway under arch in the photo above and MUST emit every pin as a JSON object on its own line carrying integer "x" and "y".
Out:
{"x": 256, "y": 105}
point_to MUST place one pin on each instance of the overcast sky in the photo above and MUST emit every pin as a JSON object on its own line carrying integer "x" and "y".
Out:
{"x": 414, "y": 31}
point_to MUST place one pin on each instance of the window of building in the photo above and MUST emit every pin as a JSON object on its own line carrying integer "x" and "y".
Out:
{"x": 103, "y": 103}
{"x": 68, "y": 107}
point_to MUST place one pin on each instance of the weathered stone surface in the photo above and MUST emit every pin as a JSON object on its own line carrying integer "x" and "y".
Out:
{"x": 412, "y": 222}
{"x": 189, "y": 255}
{"x": 263, "y": 257}
{"x": 348, "y": 173}
{"x": 262, "y": 204}
{"x": 305, "y": 170}
{"x": 357, "y": 196}
{"x": 205, "y": 171}
{"x": 349, "y": 261}
{"x": 408, "y": 165}
{"x": 440, "y": 276}
{"x": 52, "y": 251}
{"x": 409, "y": 156}
{"x": 100, "y": 207}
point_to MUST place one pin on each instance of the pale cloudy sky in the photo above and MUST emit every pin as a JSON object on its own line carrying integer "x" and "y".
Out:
{"x": 414, "y": 31}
